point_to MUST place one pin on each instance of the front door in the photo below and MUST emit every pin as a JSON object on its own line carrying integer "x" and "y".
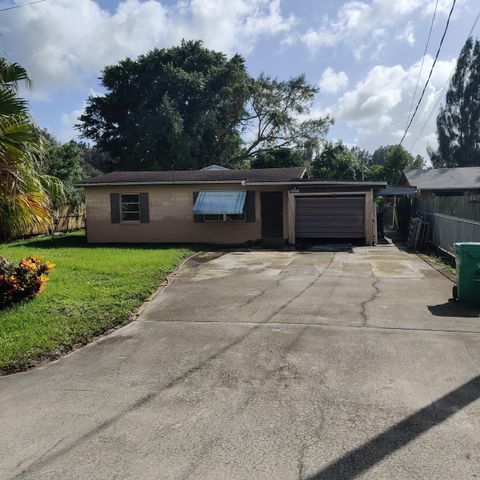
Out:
{"x": 272, "y": 215}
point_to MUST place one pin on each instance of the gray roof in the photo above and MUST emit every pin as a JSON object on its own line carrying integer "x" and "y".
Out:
{"x": 214, "y": 167}
{"x": 262, "y": 175}
{"x": 466, "y": 178}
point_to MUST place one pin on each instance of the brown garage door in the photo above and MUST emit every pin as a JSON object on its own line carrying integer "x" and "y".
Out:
{"x": 330, "y": 217}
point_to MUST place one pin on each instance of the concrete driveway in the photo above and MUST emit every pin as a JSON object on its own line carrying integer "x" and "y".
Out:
{"x": 264, "y": 365}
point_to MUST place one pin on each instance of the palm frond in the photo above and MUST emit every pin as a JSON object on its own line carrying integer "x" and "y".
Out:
{"x": 27, "y": 198}
{"x": 12, "y": 74}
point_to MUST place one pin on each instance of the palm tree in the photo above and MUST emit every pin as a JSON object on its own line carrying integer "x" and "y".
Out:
{"x": 26, "y": 197}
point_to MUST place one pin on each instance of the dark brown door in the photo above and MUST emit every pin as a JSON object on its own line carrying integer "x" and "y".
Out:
{"x": 272, "y": 215}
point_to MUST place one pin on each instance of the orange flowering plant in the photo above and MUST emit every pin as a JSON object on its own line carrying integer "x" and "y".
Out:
{"x": 22, "y": 281}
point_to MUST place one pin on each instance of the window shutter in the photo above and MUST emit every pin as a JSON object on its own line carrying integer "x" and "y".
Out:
{"x": 115, "y": 207}
{"x": 250, "y": 206}
{"x": 197, "y": 218}
{"x": 144, "y": 211}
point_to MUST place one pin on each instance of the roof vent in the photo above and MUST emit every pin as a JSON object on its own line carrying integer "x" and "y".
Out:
{"x": 215, "y": 167}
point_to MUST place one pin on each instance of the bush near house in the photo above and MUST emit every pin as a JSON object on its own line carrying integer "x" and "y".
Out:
{"x": 91, "y": 290}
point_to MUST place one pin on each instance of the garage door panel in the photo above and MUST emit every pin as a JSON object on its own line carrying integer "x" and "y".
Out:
{"x": 332, "y": 225}
{"x": 330, "y": 202}
{"x": 332, "y": 230}
{"x": 330, "y": 217}
{"x": 339, "y": 234}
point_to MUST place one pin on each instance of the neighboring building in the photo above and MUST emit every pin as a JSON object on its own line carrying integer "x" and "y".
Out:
{"x": 447, "y": 191}
{"x": 450, "y": 198}
{"x": 222, "y": 206}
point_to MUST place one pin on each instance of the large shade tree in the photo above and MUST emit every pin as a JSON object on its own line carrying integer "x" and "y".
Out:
{"x": 26, "y": 197}
{"x": 277, "y": 117}
{"x": 174, "y": 108}
{"x": 186, "y": 107}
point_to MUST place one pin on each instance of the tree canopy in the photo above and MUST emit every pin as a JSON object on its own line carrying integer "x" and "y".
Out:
{"x": 388, "y": 162}
{"x": 278, "y": 158}
{"x": 186, "y": 107}
{"x": 277, "y": 116}
{"x": 458, "y": 122}
{"x": 397, "y": 159}
{"x": 175, "y": 108}
{"x": 69, "y": 162}
{"x": 337, "y": 162}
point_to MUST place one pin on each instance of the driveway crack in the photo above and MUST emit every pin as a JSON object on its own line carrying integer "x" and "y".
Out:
{"x": 364, "y": 304}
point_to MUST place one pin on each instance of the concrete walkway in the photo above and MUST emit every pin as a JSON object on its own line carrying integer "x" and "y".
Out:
{"x": 264, "y": 365}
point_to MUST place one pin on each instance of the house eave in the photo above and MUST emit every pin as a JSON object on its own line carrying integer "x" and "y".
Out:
{"x": 303, "y": 182}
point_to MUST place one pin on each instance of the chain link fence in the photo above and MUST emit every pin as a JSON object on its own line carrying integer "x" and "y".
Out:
{"x": 446, "y": 230}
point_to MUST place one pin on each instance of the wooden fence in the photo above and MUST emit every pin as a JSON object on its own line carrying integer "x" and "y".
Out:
{"x": 464, "y": 206}
{"x": 66, "y": 219}
{"x": 69, "y": 218}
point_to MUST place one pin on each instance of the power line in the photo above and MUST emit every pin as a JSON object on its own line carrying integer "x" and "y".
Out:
{"x": 421, "y": 66}
{"x": 440, "y": 94}
{"x": 21, "y": 5}
{"x": 431, "y": 71}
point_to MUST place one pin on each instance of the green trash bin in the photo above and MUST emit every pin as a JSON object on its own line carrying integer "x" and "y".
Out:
{"x": 467, "y": 257}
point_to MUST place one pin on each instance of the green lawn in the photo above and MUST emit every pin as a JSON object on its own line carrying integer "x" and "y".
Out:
{"x": 91, "y": 289}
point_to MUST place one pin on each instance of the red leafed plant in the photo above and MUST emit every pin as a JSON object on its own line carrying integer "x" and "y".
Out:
{"x": 22, "y": 281}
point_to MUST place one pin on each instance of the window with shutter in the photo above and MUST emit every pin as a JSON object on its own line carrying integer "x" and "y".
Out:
{"x": 130, "y": 207}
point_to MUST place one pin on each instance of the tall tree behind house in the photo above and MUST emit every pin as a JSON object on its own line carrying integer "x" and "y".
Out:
{"x": 458, "y": 122}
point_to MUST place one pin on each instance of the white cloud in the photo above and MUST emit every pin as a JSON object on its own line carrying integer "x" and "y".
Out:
{"x": 331, "y": 81}
{"x": 359, "y": 24}
{"x": 63, "y": 42}
{"x": 379, "y": 104}
{"x": 408, "y": 34}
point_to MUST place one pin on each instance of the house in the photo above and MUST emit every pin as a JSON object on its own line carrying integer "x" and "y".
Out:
{"x": 450, "y": 199}
{"x": 222, "y": 206}
{"x": 447, "y": 191}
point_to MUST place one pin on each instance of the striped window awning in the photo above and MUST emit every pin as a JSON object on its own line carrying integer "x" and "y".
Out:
{"x": 218, "y": 202}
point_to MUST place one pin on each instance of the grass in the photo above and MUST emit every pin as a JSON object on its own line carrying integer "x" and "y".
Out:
{"x": 92, "y": 289}
{"x": 442, "y": 263}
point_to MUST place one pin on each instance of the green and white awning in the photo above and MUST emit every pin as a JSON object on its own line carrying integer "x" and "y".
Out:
{"x": 218, "y": 202}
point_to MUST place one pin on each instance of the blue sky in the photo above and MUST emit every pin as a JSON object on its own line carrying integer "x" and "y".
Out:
{"x": 364, "y": 55}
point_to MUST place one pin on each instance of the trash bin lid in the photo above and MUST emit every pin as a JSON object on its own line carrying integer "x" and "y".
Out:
{"x": 472, "y": 248}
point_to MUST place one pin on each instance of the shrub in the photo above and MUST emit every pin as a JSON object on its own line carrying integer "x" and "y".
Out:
{"x": 23, "y": 281}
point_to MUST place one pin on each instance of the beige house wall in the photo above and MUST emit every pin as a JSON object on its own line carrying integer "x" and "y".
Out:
{"x": 171, "y": 217}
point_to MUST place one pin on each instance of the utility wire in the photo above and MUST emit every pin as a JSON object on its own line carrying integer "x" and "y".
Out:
{"x": 21, "y": 5}
{"x": 431, "y": 71}
{"x": 440, "y": 93}
{"x": 421, "y": 66}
